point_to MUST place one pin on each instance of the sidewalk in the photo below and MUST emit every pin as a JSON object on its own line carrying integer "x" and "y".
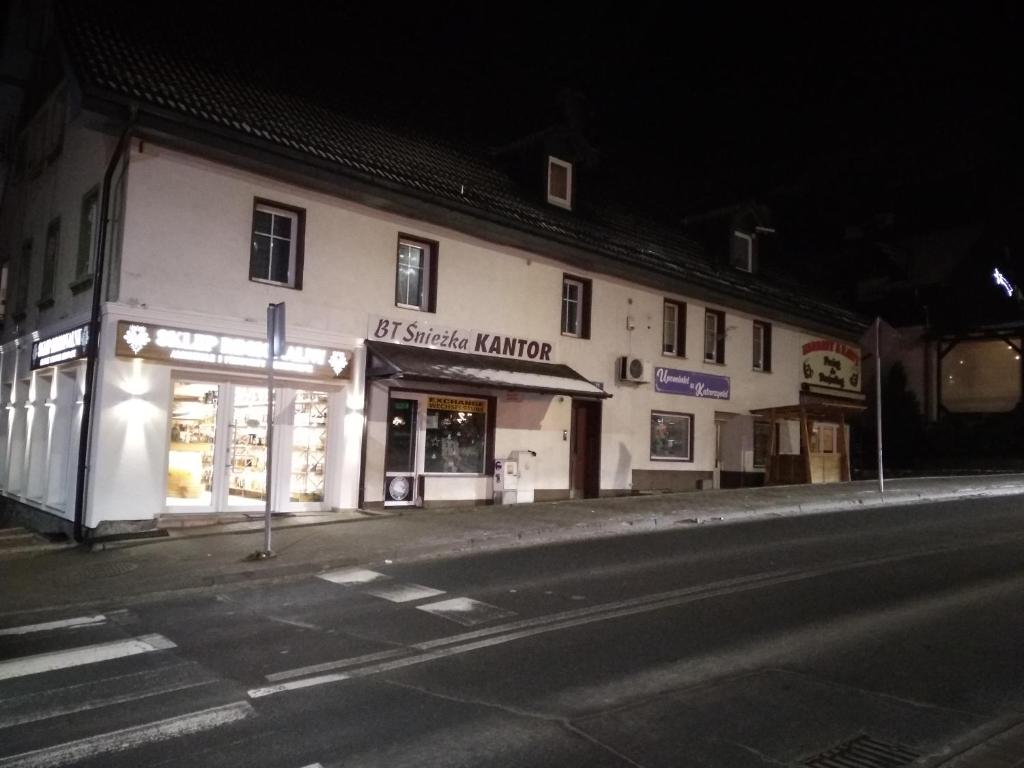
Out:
{"x": 126, "y": 570}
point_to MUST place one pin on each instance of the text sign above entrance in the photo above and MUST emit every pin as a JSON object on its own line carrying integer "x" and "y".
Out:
{"x": 61, "y": 348}
{"x": 832, "y": 364}
{"x": 691, "y": 384}
{"x": 430, "y": 336}
{"x": 154, "y": 342}
{"x": 456, "y": 404}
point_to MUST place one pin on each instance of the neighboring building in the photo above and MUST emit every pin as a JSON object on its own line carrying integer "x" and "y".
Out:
{"x": 444, "y": 312}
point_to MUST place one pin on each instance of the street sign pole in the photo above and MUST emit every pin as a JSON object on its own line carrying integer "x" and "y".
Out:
{"x": 878, "y": 399}
{"x": 275, "y": 346}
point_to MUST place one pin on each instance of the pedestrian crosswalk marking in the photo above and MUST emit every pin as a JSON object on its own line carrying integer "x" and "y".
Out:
{"x": 403, "y": 593}
{"x": 129, "y": 738}
{"x": 46, "y": 626}
{"x": 466, "y": 611}
{"x": 46, "y": 705}
{"x": 352, "y": 576}
{"x": 86, "y": 654}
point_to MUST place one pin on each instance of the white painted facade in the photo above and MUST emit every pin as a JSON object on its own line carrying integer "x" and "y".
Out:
{"x": 180, "y": 258}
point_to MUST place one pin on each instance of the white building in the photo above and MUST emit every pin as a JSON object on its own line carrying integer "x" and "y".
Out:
{"x": 439, "y": 316}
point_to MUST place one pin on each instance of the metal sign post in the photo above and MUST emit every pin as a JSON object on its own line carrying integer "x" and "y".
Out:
{"x": 878, "y": 399}
{"x": 275, "y": 346}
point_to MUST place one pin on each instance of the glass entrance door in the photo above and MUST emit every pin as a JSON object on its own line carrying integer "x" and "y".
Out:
{"x": 400, "y": 453}
{"x": 217, "y": 457}
{"x": 247, "y": 468}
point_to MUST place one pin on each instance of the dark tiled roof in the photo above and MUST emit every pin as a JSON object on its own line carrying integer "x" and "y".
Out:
{"x": 112, "y": 59}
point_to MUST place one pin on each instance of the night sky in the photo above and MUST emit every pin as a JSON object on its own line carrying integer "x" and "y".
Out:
{"x": 690, "y": 107}
{"x": 831, "y": 114}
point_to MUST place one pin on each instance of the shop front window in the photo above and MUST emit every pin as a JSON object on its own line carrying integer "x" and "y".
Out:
{"x": 190, "y": 457}
{"x": 456, "y": 436}
{"x": 309, "y": 446}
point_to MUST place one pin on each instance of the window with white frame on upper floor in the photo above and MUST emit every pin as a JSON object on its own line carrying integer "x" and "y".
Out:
{"x": 87, "y": 223}
{"x": 50, "y": 259}
{"x": 21, "y": 277}
{"x": 742, "y": 252}
{"x": 277, "y": 247}
{"x": 416, "y": 274}
{"x": 673, "y": 338}
{"x": 576, "y": 306}
{"x": 762, "y": 347}
{"x": 559, "y": 182}
{"x": 714, "y": 336}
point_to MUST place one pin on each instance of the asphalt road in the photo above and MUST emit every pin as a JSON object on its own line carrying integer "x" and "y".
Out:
{"x": 895, "y": 635}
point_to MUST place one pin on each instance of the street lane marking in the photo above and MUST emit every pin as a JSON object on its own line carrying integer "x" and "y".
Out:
{"x": 351, "y": 576}
{"x": 312, "y": 669}
{"x": 129, "y": 738}
{"x": 87, "y": 654}
{"x": 466, "y": 611}
{"x": 295, "y": 685}
{"x": 490, "y": 636}
{"x": 403, "y": 593}
{"x": 46, "y": 626}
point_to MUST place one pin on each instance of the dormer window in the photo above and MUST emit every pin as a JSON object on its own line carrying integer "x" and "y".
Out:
{"x": 741, "y": 254}
{"x": 560, "y": 183}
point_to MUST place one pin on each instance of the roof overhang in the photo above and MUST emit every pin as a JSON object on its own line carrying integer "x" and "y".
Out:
{"x": 409, "y": 363}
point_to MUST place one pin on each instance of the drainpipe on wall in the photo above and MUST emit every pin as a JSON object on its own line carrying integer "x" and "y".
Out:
{"x": 93, "y": 345}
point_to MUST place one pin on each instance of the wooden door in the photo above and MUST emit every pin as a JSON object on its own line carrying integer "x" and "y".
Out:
{"x": 585, "y": 449}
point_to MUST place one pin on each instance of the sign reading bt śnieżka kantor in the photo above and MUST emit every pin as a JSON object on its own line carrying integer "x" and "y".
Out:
{"x": 691, "y": 384}
{"x": 423, "y": 334}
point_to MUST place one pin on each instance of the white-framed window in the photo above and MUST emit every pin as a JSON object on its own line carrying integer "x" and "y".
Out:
{"x": 741, "y": 254}
{"x": 575, "y": 307}
{"x": 673, "y": 334}
{"x": 416, "y": 274}
{"x": 671, "y": 436}
{"x": 762, "y": 347}
{"x": 21, "y": 278}
{"x": 277, "y": 233}
{"x": 714, "y": 336}
{"x": 50, "y": 258}
{"x": 559, "y": 183}
{"x": 87, "y": 233}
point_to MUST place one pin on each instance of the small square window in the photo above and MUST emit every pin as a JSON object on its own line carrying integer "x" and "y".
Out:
{"x": 714, "y": 336}
{"x": 277, "y": 243}
{"x": 674, "y": 329}
{"x": 762, "y": 348}
{"x": 576, "y": 306}
{"x": 559, "y": 183}
{"x": 742, "y": 253}
{"x": 416, "y": 274}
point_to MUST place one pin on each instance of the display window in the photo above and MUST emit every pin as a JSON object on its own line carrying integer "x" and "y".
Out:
{"x": 671, "y": 436}
{"x": 433, "y": 435}
{"x": 230, "y": 420}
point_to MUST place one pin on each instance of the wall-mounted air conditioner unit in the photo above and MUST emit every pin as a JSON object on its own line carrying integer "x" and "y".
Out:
{"x": 634, "y": 370}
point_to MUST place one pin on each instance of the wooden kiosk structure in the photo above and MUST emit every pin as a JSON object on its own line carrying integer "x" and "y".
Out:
{"x": 824, "y": 455}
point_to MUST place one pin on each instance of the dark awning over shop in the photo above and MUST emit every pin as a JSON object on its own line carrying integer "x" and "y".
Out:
{"x": 398, "y": 361}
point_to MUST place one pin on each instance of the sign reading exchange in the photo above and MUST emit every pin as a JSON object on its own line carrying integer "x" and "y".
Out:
{"x": 419, "y": 334}
{"x": 832, "y": 364}
{"x": 691, "y": 383}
